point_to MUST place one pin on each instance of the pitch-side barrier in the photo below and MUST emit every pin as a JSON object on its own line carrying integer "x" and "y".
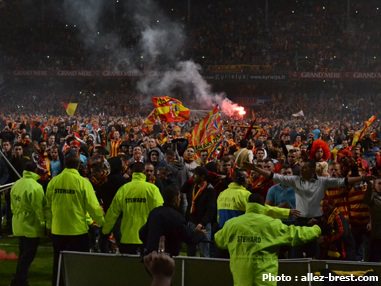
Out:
{"x": 95, "y": 269}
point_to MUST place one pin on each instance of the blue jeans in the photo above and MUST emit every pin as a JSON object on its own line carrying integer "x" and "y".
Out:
{"x": 203, "y": 247}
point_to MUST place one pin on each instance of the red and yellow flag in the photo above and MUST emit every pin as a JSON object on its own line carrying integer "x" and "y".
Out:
{"x": 360, "y": 134}
{"x": 70, "y": 108}
{"x": 207, "y": 134}
{"x": 151, "y": 118}
{"x": 170, "y": 109}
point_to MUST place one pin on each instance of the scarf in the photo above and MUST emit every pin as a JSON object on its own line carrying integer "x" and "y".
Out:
{"x": 196, "y": 194}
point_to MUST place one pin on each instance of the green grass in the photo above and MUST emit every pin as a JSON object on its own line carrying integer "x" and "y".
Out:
{"x": 41, "y": 269}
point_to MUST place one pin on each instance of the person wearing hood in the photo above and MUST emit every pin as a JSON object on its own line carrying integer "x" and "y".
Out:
{"x": 156, "y": 158}
{"x": 253, "y": 240}
{"x": 28, "y": 223}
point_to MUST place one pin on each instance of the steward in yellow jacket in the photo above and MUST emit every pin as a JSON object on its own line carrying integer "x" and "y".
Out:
{"x": 70, "y": 197}
{"x": 134, "y": 201}
{"x": 28, "y": 223}
{"x": 232, "y": 202}
{"x": 252, "y": 240}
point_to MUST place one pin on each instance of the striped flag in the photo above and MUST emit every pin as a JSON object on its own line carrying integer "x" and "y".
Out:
{"x": 70, "y": 108}
{"x": 207, "y": 134}
{"x": 170, "y": 109}
{"x": 360, "y": 134}
{"x": 151, "y": 118}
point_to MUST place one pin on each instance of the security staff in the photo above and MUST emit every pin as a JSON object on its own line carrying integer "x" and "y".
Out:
{"x": 252, "y": 240}
{"x": 232, "y": 202}
{"x": 69, "y": 198}
{"x": 134, "y": 201}
{"x": 28, "y": 202}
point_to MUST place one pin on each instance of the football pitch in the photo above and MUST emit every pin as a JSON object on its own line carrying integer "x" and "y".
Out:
{"x": 41, "y": 269}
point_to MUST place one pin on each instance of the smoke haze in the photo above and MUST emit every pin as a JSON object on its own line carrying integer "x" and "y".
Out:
{"x": 158, "y": 50}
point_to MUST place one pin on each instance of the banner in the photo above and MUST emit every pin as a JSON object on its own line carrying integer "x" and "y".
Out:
{"x": 335, "y": 75}
{"x": 75, "y": 73}
{"x": 207, "y": 134}
{"x": 243, "y": 76}
{"x": 170, "y": 109}
{"x": 240, "y": 68}
{"x": 217, "y": 73}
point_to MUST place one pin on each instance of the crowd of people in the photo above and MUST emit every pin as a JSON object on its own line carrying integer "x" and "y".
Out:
{"x": 302, "y": 168}
{"x": 330, "y": 103}
{"x": 278, "y": 163}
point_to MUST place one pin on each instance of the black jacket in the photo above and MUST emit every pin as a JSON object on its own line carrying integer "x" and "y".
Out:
{"x": 205, "y": 204}
{"x": 167, "y": 221}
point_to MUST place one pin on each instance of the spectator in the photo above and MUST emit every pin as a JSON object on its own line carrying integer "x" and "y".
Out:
{"x": 167, "y": 221}
{"x": 201, "y": 209}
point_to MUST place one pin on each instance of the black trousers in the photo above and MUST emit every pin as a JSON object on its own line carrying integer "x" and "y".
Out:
{"x": 27, "y": 252}
{"x": 311, "y": 249}
{"x": 70, "y": 243}
{"x": 375, "y": 250}
{"x": 129, "y": 248}
{"x": 8, "y": 212}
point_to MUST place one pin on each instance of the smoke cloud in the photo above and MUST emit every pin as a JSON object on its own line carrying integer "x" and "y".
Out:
{"x": 159, "y": 50}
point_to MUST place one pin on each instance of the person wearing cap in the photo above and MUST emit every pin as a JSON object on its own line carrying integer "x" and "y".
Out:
{"x": 70, "y": 197}
{"x": 28, "y": 223}
{"x": 134, "y": 201}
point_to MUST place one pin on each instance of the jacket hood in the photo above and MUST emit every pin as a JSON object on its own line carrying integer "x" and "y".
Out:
{"x": 138, "y": 176}
{"x": 234, "y": 185}
{"x": 30, "y": 175}
{"x": 161, "y": 156}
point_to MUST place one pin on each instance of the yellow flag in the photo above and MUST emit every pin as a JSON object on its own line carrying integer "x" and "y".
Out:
{"x": 70, "y": 108}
